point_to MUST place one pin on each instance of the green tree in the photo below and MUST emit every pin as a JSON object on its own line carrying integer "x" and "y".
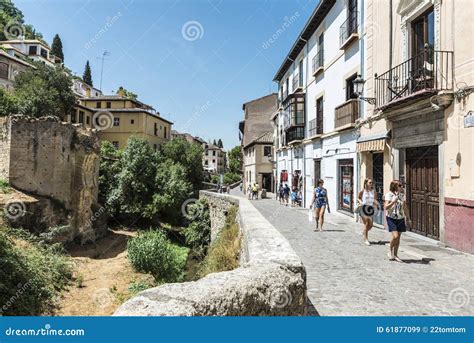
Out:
{"x": 134, "y": 186}
{"x": 189, "y": 155}
{"x": 12, "y": 24}
{"x": 57, "y": 47}
{"x": 220, "y": 144}
{"x": 110, "y": 166}
{"x": 8, "y": 103}
{"x": 44, "y": 91}
{"x": 214, "y": 142}
{"x": 87, "y": 76}
{"x": 235, "y": 160}
{"x": 171, "y": 190}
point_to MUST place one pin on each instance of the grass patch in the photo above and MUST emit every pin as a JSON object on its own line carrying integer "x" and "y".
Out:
{"x": 224, "y": 252}
{"x": 32, "y": 274}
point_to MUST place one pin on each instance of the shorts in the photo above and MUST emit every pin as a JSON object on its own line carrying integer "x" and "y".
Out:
{"x": 319, "y": 203}
{"x": 396, "y": 224}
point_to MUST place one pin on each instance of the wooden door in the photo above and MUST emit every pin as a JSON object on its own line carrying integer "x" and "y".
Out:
{"x": 423, "y": 190}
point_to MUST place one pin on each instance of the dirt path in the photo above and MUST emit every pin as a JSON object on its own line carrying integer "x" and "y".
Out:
{"x": 103, "y": 276}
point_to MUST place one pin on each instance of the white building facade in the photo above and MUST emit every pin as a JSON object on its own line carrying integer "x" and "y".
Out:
{"x": 314, "y": 128}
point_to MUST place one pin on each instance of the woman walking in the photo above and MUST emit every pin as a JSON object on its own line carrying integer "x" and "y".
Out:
{"x": 367, "y": 200}
{"x": 397, "y": 213}
{"x": 319, "y": 203}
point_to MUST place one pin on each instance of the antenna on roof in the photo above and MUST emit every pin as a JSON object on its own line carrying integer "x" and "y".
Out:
{"x": 105, "y": 53}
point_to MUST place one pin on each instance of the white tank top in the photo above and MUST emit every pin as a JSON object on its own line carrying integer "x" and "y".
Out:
{"x": 368, "y": 198}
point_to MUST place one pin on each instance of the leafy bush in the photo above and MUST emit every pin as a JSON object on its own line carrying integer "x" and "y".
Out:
{"x": 230, "y": 178}
{"x": 224, "y": 252}
{"x": 151, "y": 252}
{"x": 4, "y": 186}
{"x": 215, "y": 179}
{"x": 31, "y": 275}
{"x": 198, "y": 233}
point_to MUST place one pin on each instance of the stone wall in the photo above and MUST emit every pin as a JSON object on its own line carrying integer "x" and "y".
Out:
{"x": 219, "y": 205}
{"x": 271, "y": 279}
{"x": 54, "y": 160}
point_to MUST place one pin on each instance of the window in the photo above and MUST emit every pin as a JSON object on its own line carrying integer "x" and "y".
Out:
{"x": 44, "y": 53}
{"x": 214, "y": 161}
{"x": 267, "y": 150}
{"x": 98, "y": 104}
{"x": 350, "y": 94}
{"x": 88, "y": 120}
{"x": 300, "y": 71}
{"x": 73, "y": 117}
{"x": 132, "y": 121}
{"x": 319, "y": 115}
{"x": 116, "y": 121}
{"x": 33, "y": 50}
{"x": 115, "y": 144}
{"x": 321, "y": 47}
{"x": 423, "y": 32}
{"x": 207, "y": 152}
{"x": 155, "y": 129}
{"x": 165, "y": 133}
{"x": 206, "y": 162}
{"x": 287, "y": 91}
{"x": 81, "y": 117}
{"x": 4, "y": 70}
{"x": 108, "y": 104}
{"x": 213, "y": 153}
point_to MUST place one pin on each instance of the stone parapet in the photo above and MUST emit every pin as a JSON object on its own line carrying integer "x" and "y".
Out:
{"x": 271, "y": 279}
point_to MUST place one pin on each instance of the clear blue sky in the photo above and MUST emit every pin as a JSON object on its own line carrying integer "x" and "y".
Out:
{"x": 200, "y": 84}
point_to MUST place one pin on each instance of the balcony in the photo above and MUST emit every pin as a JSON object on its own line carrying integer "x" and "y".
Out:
{"x": 318, "y": 62}
{"x": 345, "y": 115}
{"x": 295, "y": 135}
{"x": 314, "y": 128}
{"x": 297, "y": 83}
{"x": 294, "y": 111}
{"x": 423, "y": 75}
{"x": 349, "y": 30}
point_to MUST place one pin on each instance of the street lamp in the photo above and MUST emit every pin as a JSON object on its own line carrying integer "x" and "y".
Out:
{"x": 359, "y": 89}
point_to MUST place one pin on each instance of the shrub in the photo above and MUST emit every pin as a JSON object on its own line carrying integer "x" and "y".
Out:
{"x": 198, "y": 233}
{"x": 230, "y": 178}
{"x": 224, "y": 252}
{"x": 4, "y": 186}
{"x": 31, "y": 275}
{"x": 151, "y": 252}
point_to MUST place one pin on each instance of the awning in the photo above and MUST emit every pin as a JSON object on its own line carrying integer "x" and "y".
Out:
{"x": 375, "y": 145}
{"x": 373, "y": 142}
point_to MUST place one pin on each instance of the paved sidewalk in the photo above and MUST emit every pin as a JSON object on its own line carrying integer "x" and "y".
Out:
{"x": 346, "y": 277}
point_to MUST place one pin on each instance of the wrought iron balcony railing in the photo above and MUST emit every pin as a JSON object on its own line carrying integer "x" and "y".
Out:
{"x": 349, "y": 29}
{"x": 318, "y": 62}
{"x": 347, "y": 113}
{"x": 296, "y": 82}
{"x": 295, "y": 134}
{"x": 427, "y": 72}
{"x": 315, "y": 129}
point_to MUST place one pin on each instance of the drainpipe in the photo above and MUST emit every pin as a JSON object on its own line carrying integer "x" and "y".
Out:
{"x": 390, "y": 42}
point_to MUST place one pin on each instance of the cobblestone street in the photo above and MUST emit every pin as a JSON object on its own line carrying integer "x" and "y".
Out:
{"x": 346, "y": 277}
